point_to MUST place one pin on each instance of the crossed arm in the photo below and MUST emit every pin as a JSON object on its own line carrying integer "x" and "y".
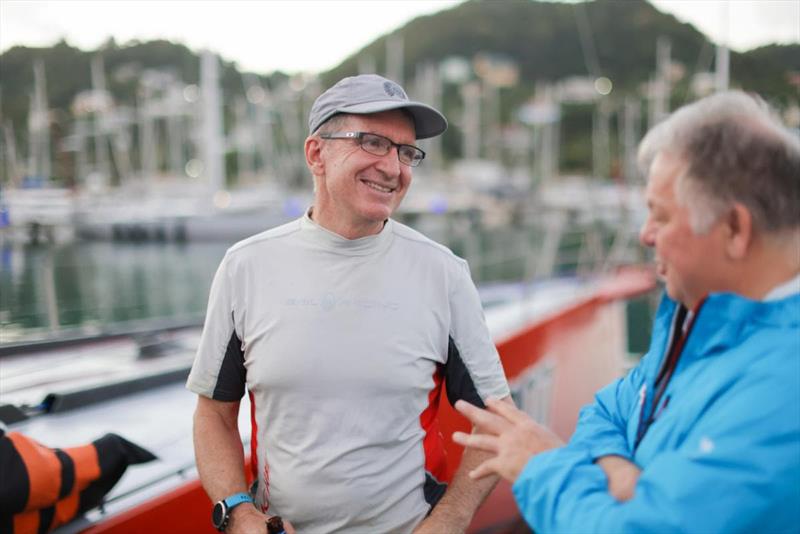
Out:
{"x": 735, "y": 469}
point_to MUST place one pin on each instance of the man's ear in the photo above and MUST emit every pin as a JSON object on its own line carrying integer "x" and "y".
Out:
{"x": 313, "y": 152}
{"x": 738, "y": 231}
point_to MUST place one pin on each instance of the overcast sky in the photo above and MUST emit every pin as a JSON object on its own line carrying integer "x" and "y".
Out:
{"x": 315, "y": 35}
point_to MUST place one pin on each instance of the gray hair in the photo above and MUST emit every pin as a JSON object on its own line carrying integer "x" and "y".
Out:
{"x": 333, "y": 123}
{"x": 339, "y": 119}
{"x": 735, "y": 150}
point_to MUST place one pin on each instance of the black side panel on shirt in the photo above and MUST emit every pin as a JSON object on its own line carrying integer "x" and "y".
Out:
{"x": 433, "y": 489}
{"x": 231, "y": 378}
{"x": 457, "y": 380}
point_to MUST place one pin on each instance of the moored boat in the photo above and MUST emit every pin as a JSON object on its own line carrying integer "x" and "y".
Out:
{"x": 559, "y": 342}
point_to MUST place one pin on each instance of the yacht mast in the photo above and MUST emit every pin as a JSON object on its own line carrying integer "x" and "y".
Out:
{"x": 212, "y": 142}
{"x": 39, "y": 126}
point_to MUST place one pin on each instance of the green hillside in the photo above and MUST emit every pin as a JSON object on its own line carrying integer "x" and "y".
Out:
{"x": 68, "y": 72}
{"x": 543, "y": 39}
{"x": 546, "y": 41}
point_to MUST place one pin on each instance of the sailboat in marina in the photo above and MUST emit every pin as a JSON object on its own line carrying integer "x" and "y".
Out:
{"x": 32, "y": 208}
{"x": 192, "y": 202}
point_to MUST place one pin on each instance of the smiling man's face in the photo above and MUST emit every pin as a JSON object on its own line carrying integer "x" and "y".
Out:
{"x": 358, "y": 191}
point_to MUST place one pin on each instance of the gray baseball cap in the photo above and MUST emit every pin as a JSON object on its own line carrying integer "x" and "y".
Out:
{"x": 370, "y": 93}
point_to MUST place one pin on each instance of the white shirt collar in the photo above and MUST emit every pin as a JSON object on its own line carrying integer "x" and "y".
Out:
{"x": 790, "y": 287}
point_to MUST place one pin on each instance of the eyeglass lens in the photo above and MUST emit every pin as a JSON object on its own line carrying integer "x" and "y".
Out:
{"x": 380, "y": 146}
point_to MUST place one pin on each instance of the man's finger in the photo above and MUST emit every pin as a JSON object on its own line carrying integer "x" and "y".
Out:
{"x": 488, "y": 421}
{"x": 507, "y": 411}
{"x": 461, "y": 438}
{"x": 477, "y": 441}
{"x": 483, "y": 470}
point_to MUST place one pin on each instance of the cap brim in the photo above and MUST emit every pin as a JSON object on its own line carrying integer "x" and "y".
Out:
{"x": 428, "y": 122}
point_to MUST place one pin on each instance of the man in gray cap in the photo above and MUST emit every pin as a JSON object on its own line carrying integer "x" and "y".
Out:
{"x": 345, "y": 328}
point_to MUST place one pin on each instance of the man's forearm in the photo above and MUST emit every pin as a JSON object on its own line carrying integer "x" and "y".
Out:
{"x": 218, "y": 451}
{"x": 464, "y": 495}
{"x": 220, "y": 462}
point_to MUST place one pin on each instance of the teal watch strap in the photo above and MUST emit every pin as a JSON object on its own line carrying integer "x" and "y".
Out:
{"x": 236, "y": 499}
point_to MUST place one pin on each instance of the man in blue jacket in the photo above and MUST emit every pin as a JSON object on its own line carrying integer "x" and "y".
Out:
{"x": 704, "y": 434}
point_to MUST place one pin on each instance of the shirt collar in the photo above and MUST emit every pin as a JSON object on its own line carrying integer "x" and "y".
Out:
{"x": 333, "y": 242}
{"x": 790, "y": 287}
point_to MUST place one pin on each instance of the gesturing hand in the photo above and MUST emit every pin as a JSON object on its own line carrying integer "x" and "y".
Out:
{"x": 508, "y": 433}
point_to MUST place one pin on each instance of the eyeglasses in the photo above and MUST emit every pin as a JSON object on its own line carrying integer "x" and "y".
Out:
{"x": 380, "y": 146}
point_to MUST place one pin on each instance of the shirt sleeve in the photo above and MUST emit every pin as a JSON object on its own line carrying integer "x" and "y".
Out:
{"x": 607, "y": 425}
{"x": 603, "y": 425}
{"x": 473, "y": 371}
{"x": 736, "y": 470}
{"x": 218, "y": 371}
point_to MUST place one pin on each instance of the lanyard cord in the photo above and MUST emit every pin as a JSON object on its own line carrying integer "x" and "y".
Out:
{"x": 680, "y": 333}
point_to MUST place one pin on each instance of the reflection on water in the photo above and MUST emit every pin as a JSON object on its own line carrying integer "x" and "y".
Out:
{"x": 81, "y": 284}
{"x": 46, "y": 288}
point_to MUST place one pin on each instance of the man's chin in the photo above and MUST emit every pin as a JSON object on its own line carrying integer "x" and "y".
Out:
{"x": 379, "y": 213}
{"x": 679, "y": 297}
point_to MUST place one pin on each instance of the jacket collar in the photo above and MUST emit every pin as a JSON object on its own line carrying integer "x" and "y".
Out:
{"x": 723, "y": 319}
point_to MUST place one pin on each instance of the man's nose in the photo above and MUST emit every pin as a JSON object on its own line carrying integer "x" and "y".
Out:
{"x": 390, "y": 163}
{"x": 646, "y": 234}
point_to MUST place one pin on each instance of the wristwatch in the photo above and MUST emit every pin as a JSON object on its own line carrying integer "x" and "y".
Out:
{"x": 221, "y": 513}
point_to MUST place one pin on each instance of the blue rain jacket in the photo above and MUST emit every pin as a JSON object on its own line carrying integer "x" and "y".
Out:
{"x": 723, "y": 454}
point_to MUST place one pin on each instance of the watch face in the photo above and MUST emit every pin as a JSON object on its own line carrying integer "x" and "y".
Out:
{"x": 218, "y": 515}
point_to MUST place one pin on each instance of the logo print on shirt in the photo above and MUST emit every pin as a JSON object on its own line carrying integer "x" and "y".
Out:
{"x": 329, "y": 302}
